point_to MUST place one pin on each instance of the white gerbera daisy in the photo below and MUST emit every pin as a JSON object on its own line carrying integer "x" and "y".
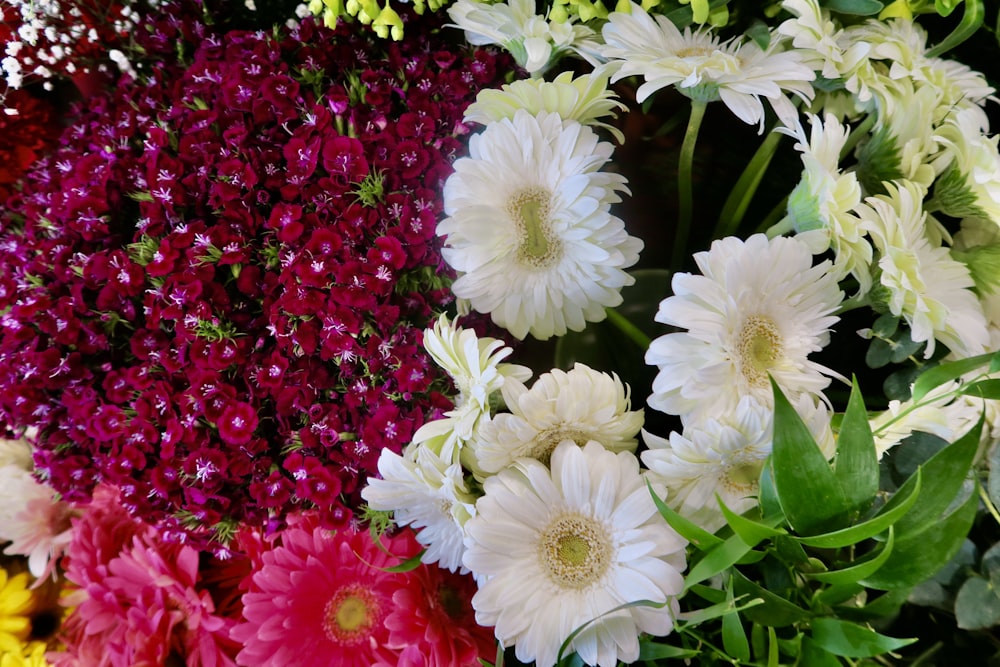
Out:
{"x": 820, "y": 42}
{"x": 820, "y": 205}
{"x": 584, "y": 99}
{"x": 724, "y": 455}
{"x": 530, "y": 230}
{"x": 534, "y": 42}
{"x": 555, "y": 550}
{"x": 702, "y": 67}
{"x": 581, "y": 405}
{"x": 428, "y": 493}
{"x": 760, "y": 308}
{"x": 938, "y": 413}
{"x": 924, "y": 285}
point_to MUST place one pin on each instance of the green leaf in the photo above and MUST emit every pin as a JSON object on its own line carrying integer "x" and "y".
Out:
{"x": 814, "y": 655}
{"x": 767, "y": 495}
{"x": 977, "y": 605}
{"x": 946, "y": 7}
{"x": 687, "y": 529}
{"x": 698, "y": 616}
{"x": 856, "y": 465}
{"x": 943, "y": 476}
{"x": 716, "y": 560}
{"x": 886, "y": 325}
{"x": 775, "y": 611}
{"x": 919, "y": 555}
{"x": 879, "y": 353}
{"x": 808, "y": 490}
{"x": 989, "y": 388}
{"x": 972, "y": 20}
{"x": 993, "y": 482}
{"x": 859, "y": 570}
{"x": 938, "y": 375}
{"x": 855, "y": 7}
{"x": 734, "y": 638}
{"x": 750, "y": 531}
{"x": 893, "y": 511}
{"x": 838, "y": 593}
{"x": 650, "y": 650}
{"x": 851, "y": 640}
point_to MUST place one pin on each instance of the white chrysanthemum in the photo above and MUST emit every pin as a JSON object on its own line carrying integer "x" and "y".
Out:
{"x": 33, "y": 520}
{"x": 970, "y": 185}
{"x": 924, "y": 284}
{"x": 821, "y": 204}
{"x": 530, "y": 229}
{"x": 581, "y": 405}
{"x": 557, "y": 549}
{"x": 819, "y": 41}
{"x": 429, "y": 494}
{"x": 584, "y": 99}
{"x": 534, "y": 42}
{"x": 475, "y": 365}
{"x": 702, "y": 67}
{"x": 724, "y": 455}
{"x": 759, "y": 308}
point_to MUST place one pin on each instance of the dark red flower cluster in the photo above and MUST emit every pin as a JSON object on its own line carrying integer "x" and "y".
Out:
{"x": 28, "y": 129}
{"x": 213, "y": 291}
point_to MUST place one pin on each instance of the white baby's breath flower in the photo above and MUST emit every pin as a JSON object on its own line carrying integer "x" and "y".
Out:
{"x": 581, "y": 405}
{"x": 429, "y": 494}
{"x": 584, "y": 99}
{"x": 555, "y": 549}
{"x": 702, "y": 67}
{"x": 759, "y": 308}
{"x": 924, "y": 285}
{"x": 820, "y": 205}
{"x": 530, "y": 229}
{"x": 724, "y": 455}
{"x": 535, "y": 42}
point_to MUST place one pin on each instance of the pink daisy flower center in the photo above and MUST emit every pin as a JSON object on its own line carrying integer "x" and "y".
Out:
{"x": 350, "y": 615}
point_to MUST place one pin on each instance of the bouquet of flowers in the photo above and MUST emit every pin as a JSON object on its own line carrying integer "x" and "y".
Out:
{"x": 481, "y": 333}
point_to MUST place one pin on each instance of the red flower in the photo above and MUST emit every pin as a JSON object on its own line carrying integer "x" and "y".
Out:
{"x": 237, "y": 423}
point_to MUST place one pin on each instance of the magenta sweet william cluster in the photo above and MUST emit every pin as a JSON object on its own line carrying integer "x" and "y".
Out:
{"x": 213, "y": 292}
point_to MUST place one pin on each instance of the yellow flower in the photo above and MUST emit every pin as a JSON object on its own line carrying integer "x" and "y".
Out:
{"x": 32, "y": 655}
{"x": 15, "y": 609}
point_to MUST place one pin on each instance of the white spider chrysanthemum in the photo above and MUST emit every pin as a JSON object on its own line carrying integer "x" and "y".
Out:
{"x": 584, "y": 99}
{"x": 581, "y": 405}
{"x": 759, "y": 308}
{"x": 724, "y": 455}
{"x": 702, "y": 67}
{"x": 924, "y": 285}
{"x": 970, "y": 184}
{"x": 530, "y": 229}
{"x": 475, "y": 366}
{"x": 557, "y": 549}
{"x": 534, "y": 42}
{"x": 33, "y": 520}
{"x": 820, "y": 205}
{"x": 429, "y": 494}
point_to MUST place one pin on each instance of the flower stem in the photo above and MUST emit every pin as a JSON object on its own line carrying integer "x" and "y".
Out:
{"x": 630, "y": 330}
{"x": 985, "y": 497}
{"x": 684, "y": 184}
{"x": 746, "y": 187}
{"x": 783, "y": 226}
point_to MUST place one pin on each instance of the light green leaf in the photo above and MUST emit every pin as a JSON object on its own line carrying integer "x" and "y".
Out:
{"x": 734, "y": 638}
{"x": 750, "y": 531}
{"x": 856, "y": 466}
{"x": 716, "y": 560}
{"x": 686, "y": 528}
{"x": 815, "y": 655}
{"x": 938, "y": 375}
{"x": 649, "y": 650}
{"x": 983, "y": 389}
{"x": 972, "y": 20}
{"x": 809, "y": 492}
{"x": 851, "y": 640}
{"x": 859, "y": 570}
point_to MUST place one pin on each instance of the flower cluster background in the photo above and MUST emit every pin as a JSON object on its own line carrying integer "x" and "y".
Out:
{"x": 469, "y": 333}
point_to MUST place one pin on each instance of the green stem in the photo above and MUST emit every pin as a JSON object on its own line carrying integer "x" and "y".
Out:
{"x": 633, "y": 332}
{"x": 862, "y": 130}
{"x": 853, "y": 303}
{"x": 783, "y": 226}
{"x": 746, "y": 187}
{"x": 684, "y": 184}
{"x": 985, "y": 497}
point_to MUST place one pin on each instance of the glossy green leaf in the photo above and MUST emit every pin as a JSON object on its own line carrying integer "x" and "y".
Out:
{"x": 972, "y": 19}
{"x": 814, "y": 655}
{"x": 977, "y": 605}
{"x": 859, "y": 570}
{"x": 687, "y": 529}
{"x": 892, "y": 512}
{"x": 983, "y": 389}
{"x": 938, "y": 375}
{"x": 856, "y": 465}
{"x": 838, "y": 593}
{"x": 810, "y": 494}
{"x": 775, "y": 611}
{"x": 856, "y": 7}
{"x": 884, "y": 606}
{"x": 734, "y": 637}
{"x": 750, "y": 531}
{"x": 851, "y": 640}
{"x": 919, "y": 555}
{"x": 716, "y": 560}
{"x": 698, "y": 616}
{"x": 946, "y": 7}
{"x": 767, "y": 495}
{"x": 650, "y": 650}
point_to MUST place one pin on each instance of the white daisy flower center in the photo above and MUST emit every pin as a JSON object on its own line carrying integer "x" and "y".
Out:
{"x": 575, "y": 551}
{"x": 541, "y": 448}
{"x": 529, "y": 209}
{"x": 759, "y": 345}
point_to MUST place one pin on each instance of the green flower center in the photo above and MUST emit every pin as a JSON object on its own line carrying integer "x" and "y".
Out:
{"x": 759, "y": 346}
{"x": 529, "y": 209}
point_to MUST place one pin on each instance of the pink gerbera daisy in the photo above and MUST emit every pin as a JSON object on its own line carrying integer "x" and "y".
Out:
{"x": 320, "y": 599}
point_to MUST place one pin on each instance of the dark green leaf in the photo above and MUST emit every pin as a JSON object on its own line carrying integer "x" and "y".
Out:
{"x": 767, "y": 494}
{"x": 687, "y": 529}
{"x": 886, "y": 325}
{"x": 838, "y": 593}
{"x": 814, "y": 655}
{"x": 750, "y": 531}
{"x": 991, "y": 565}
{"x": 919, "y": 555}
{"x": 993, "y": 482}
{"x": 810, "y": 495}
{"x": 734, "y": 638}
{"x": 776, "y": 611}
{"x": 649, "y": 650}
{"x": 938, "y": 375}
{"x": 716, "y": 560}
{"x": 977, "y": 605}
{"x": 851, "y": 640}
{"x": 879, "y": 353}
{"x": 859, "y": 570}
{"x": 983, "y": 389}
{"x": 856, "y": 465}
{"x": 904, "y": 348}
{"x": 856, "y": 7}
